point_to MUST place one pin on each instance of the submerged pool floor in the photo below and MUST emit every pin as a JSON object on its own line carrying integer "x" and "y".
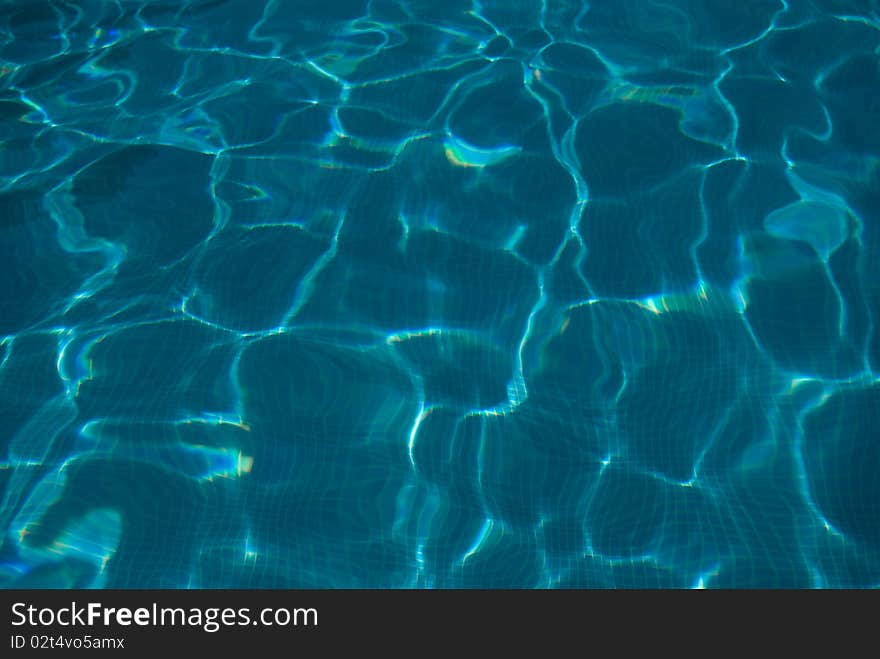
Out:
{"x": 399, "y": 293}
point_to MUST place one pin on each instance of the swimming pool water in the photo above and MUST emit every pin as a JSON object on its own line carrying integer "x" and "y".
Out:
{"x": 401, "y": 293}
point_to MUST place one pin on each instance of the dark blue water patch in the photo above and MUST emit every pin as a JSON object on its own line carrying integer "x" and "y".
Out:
{"x": 643, "y": 245}
{"x": 29, "y": 378}
{"x": 574, "y": 372}
{"x": 324, "y": 395}
{"x": 36, "y": 267}
{"x": 159, "y": 383}
{"x": 637, "y": 516}
{"x": 459, "y": 369}
{"x": 516, "y": 552}
{"x": 782, "y": 107}
{"x": 851, "y": 88}
{"x": 32, "y": 28}
{"x": 499, "y": 112}
{"x": 844, "y": 271}
{"x": 11, "y": 110}
{"x": 153, "y": 201}
{"x": 411, "y": 47}
{"x": 841, "y": 462}
{"x": 271, "y": 105}
{"x": 369, "y": 124}
{"x": 523, "y": 203}
{"x": 236, "y": 278}
{"x": 593, "y": 572}
{"x": 625, "y": 147}
{"x": 415, "y": 95}
{"x": 445, "y": 450}
{"x": 809, "y": 337}
{"x": 531, "y": 464}
{"x": 576, "y": 73}
{"x": 91, "y": 484}
{"x": 736, "y": 197}
{"x": 804, "y": 56}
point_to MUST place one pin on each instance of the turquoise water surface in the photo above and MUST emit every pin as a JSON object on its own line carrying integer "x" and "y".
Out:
{"x": 402, "y": 293}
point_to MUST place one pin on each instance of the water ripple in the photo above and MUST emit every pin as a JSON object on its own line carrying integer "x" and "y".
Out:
{"x": 392, "y": 293}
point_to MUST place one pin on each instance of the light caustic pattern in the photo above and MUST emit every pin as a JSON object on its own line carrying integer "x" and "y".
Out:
{"x": 398, "y": 293}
